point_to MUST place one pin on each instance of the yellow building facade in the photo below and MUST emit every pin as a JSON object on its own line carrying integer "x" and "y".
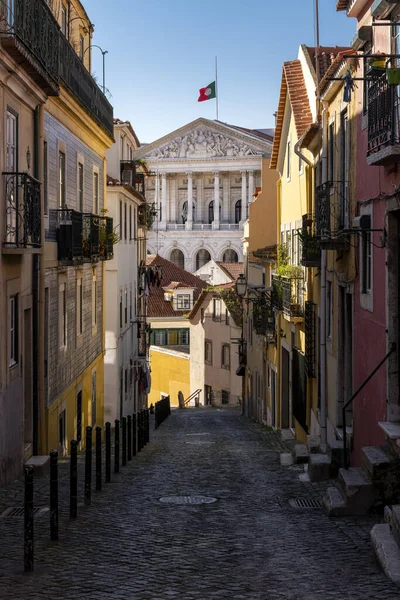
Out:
{"x": 170, "y": 374}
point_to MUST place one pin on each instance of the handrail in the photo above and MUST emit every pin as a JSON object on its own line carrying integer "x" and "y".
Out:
{"x": 345, "y": 457}
{"x": 196, "y": 393}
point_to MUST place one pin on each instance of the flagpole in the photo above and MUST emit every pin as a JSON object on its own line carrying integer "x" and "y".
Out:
{"x": 216, "y": 83}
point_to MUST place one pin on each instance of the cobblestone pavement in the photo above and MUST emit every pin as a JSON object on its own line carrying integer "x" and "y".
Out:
{"x": 249, "y": 545}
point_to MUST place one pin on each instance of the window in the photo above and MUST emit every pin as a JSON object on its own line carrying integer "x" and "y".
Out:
{"x": 126, "y": 307}
{"x": 226, "y": 317}
{"x": 288, "y": 160}
{"x": 125, "y": 223}
{"x": 344, "y": 167}
{"x": 94, "y": 300}
{"x": 12, "y": 154}
{"x": 211, "y": 212}
{"x": 202, "y": 258}
{"x": 80, "y": 187}
{"x": 329, "y": 309}
{"x": 13, "y": 330}
{"x": 159, "y": 338}
{"x": 208, "y": 352}
{"x": 45, "y": 179}
{"x": 366, "y": 262}
{"x": 226, "y": 356}
{"x": 216, "y": 309}
{"x": 120, "y": 219}
{"x": 238, "y": 211}
{"x": 121, "y": 321}
{"x": 94, "y": 398}
{"x": 225, "y": 397}
{"x": 62, "y": 315}
{"x": 61, "y": 179}
{"x": 64, "y": 19}
{"x": 81, "y": 47}
{"x": 230, "y": 256}
{"x": 182, "y": 301}
{"x": 79, "y": 306}
{"x": 177, "y": 258}
{"x": 184, "y": 337}
{"x": 96, "y": 206}
{"x": 331, "y": 151}
{"x": 130, "y": 223}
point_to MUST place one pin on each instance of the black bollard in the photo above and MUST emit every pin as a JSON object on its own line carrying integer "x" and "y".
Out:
{"x": 134, "y": 434}
{"x": 28, "y": 520}
{"x": 129, "y": 426}
{"x": 88, "y": 466}
{"x": 73, "y": 482}
{"x": 124, "y": 441}
{"x": 138, "y": 432}
{"x": 148, "y": 425}
{"x": 54, "y": 495}
{"x": 145, "y": 426}
{"x": 156, "y": 415}
{"x": 98, "y": 458}
{"x": 108, "y": 452}
{"x": 116, "y": 447}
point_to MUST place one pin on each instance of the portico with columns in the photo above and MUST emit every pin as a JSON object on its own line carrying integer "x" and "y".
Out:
{"x": 202, "y": 178}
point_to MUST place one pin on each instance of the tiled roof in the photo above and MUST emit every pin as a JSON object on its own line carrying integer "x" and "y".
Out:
{"x": 233, "y": 270}
{"x": 293, "y": 84}
{"x": 342, "y": 4}
{"x": 327, "y": 57}
{"x": 175, "y": 285}
{"x": 265, "y": 134}
{"x": 156, "y": 305}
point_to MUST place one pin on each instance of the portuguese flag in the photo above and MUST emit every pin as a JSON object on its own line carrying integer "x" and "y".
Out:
{"x": 207, "y": 93}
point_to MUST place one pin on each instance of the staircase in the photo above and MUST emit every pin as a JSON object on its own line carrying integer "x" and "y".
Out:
{"x": 385, "y": 539}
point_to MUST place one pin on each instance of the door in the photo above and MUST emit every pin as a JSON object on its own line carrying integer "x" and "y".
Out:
{"x": 27, "y": 376}
{"x": 207, "y": 394}
{"x": 12, "y": 188}
{"x": 273, "y": 398}
{"x": 285, "y": 377}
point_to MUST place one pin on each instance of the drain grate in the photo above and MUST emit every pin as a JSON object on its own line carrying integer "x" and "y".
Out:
{"x": 188, "y": 500}
{"x": 16, "y": 511}
{"x": 305, "y": 503}
{"x": 199, "y": 443}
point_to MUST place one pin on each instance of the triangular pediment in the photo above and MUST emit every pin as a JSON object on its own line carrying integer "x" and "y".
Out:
{"x": 203, "y": 139}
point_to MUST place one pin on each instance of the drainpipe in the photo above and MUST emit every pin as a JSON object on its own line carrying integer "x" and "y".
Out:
{"x": 325, "y": 117}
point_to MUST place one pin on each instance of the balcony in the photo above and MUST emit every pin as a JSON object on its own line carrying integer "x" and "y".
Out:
{"x": 78, "y": 80}
{"x": 332, "y": 214}
{"x": 383, "y": 122}
{"x": 129, "y": 176}
{"x": 83, "y": 237}
{"x": 22, "y": 213}
{"x": 288, "y": 296}
{"x": 29, "y": 34}
{"x": 264, "y": 319}
{"x": 310, "y": 244}
{"x": 69, "y": 236}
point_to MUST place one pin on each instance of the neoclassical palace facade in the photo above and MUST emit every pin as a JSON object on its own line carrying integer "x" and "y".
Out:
{"x": 203, "y": 177}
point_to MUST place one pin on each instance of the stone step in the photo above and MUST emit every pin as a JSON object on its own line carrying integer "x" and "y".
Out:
{"x": 41, "y": 465}
{"x": 391, "y": 429}
{"x": 387, "y": 551}
{"x": 287, "y": 434}
{"x": 358, "y": 490}
{"x": 375, "y": 461}
{"x": 334, "y": 503}
{"x": 336, "y": 453}
{"x": 313, "y": 444}
{"x": 301, "y": 453}
{"x": 319, "y": 467}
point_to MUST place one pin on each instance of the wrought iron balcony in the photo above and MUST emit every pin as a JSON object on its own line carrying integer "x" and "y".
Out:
{"x": 69, "y": 235}
{"x": 79, "y": 81}
{"x": 129, "y": 176}
{"x": 263, "y": 316}
{"x": 383, "y": 121}
{"x": 22, "y": 211}
{"x": 310, "y": 244}
{"x": 91, "y": 237}
{"x": 106, "y": 238}
{"x": 30, "y": 33}
{"x": 288, "y": 295}
{"x": 332, "y": 213}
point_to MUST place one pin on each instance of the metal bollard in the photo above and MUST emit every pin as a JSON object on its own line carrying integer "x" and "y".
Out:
{"x": 129, "y": 425}
{"x": 134, "y": 434}
{"x": 148, "y": 426}
{"x": 108, "y": 452}
{"x": 88, "y": 466}
{"x": 54, "y": 495}
{"x": 139, "y": 425}
{"x": 73, "y": 481}
{"x": 156, "y": 415}
{"x": 98, "y": 458}
{"x": 28, "y": 519}
{"x": 124, "y": 441}
{"x": 116, "y": 447}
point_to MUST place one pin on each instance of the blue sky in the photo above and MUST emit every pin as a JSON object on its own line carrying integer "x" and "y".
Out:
{"x": 160, "y": 52}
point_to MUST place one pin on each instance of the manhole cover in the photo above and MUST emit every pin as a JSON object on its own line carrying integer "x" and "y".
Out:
{"x": 305, "y": 503}
{"x": 188, "y": 500}
{"x": 14, "y": 511}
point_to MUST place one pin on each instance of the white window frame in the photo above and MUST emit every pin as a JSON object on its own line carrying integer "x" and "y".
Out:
{"x": 182, "y": 301}
{"x": 366, "y": 294}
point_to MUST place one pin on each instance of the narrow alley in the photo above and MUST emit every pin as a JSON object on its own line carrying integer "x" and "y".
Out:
{"x": 248, "y": 544}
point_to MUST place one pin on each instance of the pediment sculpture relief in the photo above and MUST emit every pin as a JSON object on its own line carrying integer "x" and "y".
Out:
{"x": 203, "y": 142}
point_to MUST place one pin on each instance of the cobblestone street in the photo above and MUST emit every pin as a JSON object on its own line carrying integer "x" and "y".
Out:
{"x": 249, "y": 544}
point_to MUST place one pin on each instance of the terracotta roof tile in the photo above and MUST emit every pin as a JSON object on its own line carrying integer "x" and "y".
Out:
{"x": 156, "y": 305}
{"x": 342, "y": 5}
{"x": 233, "y": 270}
{"x": 327, "y": 57}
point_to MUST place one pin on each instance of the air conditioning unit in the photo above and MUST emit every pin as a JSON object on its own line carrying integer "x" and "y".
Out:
{"x": 362, "y": 37}
{"x": 167, "y": 297}
{"x": 381, "y": 9}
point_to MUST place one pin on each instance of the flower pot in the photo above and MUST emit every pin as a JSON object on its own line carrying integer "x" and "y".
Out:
{"x": 393, "y": 76}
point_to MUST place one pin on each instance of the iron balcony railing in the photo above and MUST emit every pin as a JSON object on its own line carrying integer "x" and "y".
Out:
{"x": 79, "y": 81}
{"x": 91, "y": 236}
{"x": 129, "y": 176}
{"x": 310, "y": 244}
{"x": 69, "y": 235}
{"x": 382, "y": 110}
{"x": 29, "y": 33}
{"x": 22, "y": 211}
{"x": 332, "y": 211}
{"x": 288, "y": 295}
{"x": 84, "y": 237}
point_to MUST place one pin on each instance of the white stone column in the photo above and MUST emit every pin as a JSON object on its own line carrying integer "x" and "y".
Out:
{"x": 189, "y": 222}
{"x": 163, "y": 220}
{"x": 225, "y": 199}
{"x": 244, "y": 197}
{"x": 173, "y": 199}
{"x": 251, "y": 186}
{"x": 200, "y": 198}
{"x": 215, "y": 224}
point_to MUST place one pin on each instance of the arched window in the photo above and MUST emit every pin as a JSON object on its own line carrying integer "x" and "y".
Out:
{"x": 211, "y": 212}
{"x": 203, "y": 257}
{"x": 185, "y": 212}
{"x": 238, "y": 211}
{"x": 230, "y": 256}
{"x": 177, "y": 258}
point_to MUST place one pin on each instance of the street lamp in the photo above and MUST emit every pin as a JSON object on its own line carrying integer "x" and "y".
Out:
{"x": 241, "y": 286}
{"x": 104, "y": 52}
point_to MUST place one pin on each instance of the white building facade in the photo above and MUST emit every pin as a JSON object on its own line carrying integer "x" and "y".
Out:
{"x": 123, "y": 356}
{"x": 202, "y": 180}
